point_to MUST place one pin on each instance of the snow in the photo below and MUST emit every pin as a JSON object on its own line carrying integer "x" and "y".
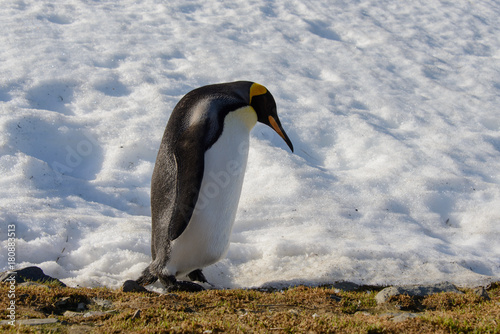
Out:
{"x": 393, "y": 109}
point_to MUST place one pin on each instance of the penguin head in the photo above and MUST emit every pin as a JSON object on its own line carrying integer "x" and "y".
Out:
{"x": 264, "y": 105}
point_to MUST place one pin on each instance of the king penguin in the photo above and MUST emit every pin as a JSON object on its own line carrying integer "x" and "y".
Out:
{"x": 198, "y": 176}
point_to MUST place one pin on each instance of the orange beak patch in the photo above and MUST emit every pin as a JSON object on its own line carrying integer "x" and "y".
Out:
{"x": 276, "y": 127}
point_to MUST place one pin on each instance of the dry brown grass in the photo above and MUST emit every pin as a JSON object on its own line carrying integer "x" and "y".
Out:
{"x": 295, "y": 310}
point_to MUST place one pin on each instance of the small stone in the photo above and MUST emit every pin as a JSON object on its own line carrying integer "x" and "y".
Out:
{"x": 362, "y": 313}
{"x": 71, "y": 314}
{"x": 133, "y": 286}
{"x": 387, "y": 293}
{"x": 93, "y": 313}
{"x": 404, "y": 316}
{"x": 400, "y": 316}
{"x": 37, "y": 322}
{"x": 414, "y": 290}
{"x": 104, "y": 303}
{"x": 481, "y": 292}
{"x": 81, "y": 307}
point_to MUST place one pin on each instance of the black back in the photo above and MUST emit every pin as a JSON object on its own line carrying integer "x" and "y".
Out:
{"x": 194, "y": 126}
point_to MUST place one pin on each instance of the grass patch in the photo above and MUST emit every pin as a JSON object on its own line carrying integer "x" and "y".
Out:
{"x": 294, "y": 310}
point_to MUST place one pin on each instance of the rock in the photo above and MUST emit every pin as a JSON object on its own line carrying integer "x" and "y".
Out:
{"x": 367, "y": 314}
{"x": 93, "y": 313}
{"x": 103, "y": 303}
{"x": 481, "y": 292}
{"x": 36, "y": 322}
{"x": 32, "y": 322}
{"x": 81, "y": 307}
{"x": 387, "y": 293}
{"x": 404, "y": 316}
{"x": 400, "y": 316}
{"x": 71, "y": 314}
{"x": 98, "y": 313}
{"x": 414, "y": 290}
{"x": 33, "y": 274}
{"x": 133, "y": 286}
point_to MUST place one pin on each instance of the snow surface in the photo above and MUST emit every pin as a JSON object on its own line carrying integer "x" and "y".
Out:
{"x": 393, "y": 108}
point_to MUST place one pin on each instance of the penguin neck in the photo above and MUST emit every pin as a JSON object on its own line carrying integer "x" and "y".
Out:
{"x": 246, "y": 115}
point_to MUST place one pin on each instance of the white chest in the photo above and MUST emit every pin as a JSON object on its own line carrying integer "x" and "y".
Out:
{"x": 206, "y": 238}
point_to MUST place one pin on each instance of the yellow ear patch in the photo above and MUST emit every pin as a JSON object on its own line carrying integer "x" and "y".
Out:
{"x": 257, "y": 89}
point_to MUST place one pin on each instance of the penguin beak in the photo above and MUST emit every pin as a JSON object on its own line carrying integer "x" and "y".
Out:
{"x": 275, "y": 124}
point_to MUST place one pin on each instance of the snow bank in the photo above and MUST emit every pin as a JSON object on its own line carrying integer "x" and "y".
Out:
{"x": 393, "y": 110}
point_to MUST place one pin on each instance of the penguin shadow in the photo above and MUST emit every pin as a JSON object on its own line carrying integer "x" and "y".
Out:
{"x": 312, "y": 161}
{"x": 301, "y": 149}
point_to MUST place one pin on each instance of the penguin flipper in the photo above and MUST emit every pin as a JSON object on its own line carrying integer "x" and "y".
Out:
{"x": 190, "y": 163}
{"x": 175, "y": 184}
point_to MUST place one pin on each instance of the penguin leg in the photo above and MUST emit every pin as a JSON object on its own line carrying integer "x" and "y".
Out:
{"x": 172, "y": 284}
{"x": 197, "y": 275}
{"x": 147, "y": 277}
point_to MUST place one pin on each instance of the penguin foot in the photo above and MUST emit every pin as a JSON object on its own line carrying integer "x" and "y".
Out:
{"x": 172, "y": 284}
{"x": 197, "y": 275}
{"x": 133, "y": 286}
{"x": 185, "y": 286}
{"x": 146, "y": 278}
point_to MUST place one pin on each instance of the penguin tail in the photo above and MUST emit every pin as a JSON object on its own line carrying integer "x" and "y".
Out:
{"x": 147, "y": 277}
